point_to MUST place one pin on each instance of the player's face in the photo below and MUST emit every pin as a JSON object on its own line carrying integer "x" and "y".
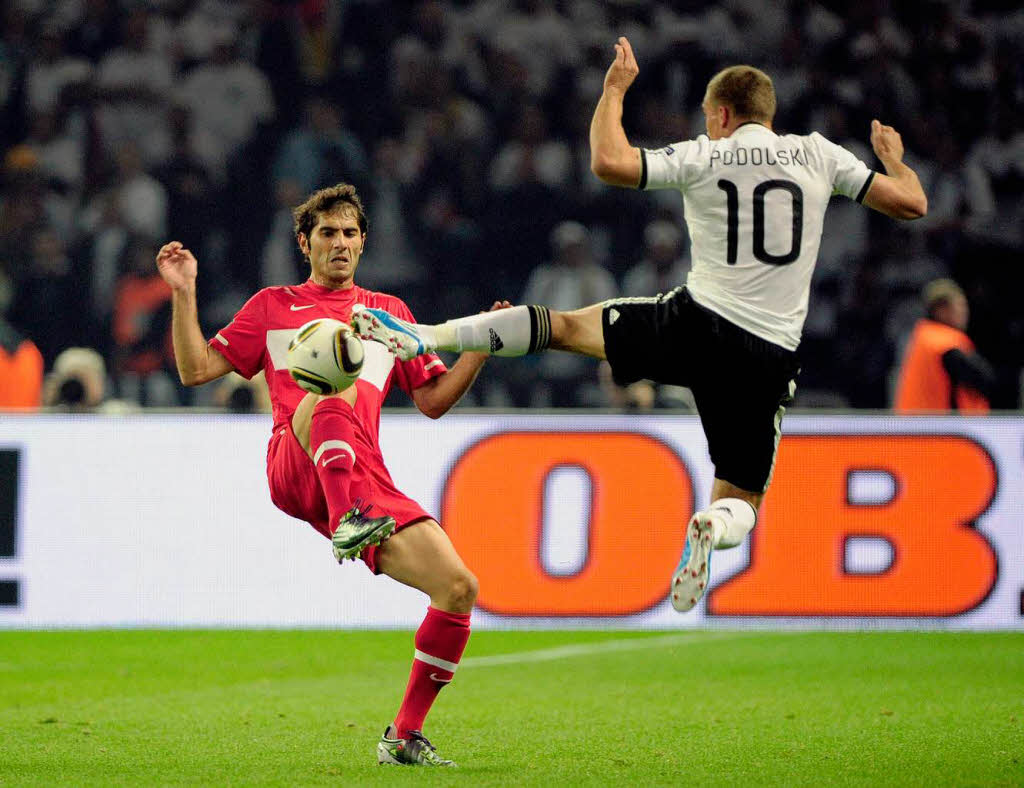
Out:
{"x": 334, "y": 247}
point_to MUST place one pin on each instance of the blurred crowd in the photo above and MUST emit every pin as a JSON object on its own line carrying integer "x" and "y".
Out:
{"x": 464, "y": 125}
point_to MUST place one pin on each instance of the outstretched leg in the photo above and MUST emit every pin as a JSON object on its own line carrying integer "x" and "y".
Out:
{"x": 503, "y": 332}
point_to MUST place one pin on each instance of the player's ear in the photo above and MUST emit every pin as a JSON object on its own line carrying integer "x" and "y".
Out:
{"x": 304, "y": 244}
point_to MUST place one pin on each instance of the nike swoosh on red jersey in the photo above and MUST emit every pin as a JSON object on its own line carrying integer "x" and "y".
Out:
{"x": 296, "y": 307}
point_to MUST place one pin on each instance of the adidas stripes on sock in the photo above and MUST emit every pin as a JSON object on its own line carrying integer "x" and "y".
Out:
{"x": 504, "y": 332}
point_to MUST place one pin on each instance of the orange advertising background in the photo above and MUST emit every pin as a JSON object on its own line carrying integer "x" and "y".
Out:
{"x": 643, "y": 493}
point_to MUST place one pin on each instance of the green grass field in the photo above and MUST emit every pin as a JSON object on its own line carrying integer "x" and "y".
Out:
{"x": 526, "y": 708}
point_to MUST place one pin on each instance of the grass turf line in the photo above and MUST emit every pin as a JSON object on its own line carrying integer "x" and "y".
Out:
{"x": 307, "y": 707}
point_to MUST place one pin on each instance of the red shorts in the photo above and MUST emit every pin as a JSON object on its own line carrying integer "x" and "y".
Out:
{"x": 295, "y": 488}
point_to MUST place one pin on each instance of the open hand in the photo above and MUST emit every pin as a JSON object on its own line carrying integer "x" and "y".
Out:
{"x": 886, "y": 141}
{"x": 623, "y": 69}
{"x": 177, "y": 265}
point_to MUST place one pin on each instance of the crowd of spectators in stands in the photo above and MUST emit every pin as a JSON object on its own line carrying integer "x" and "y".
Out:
{"x": 464, "y": 125}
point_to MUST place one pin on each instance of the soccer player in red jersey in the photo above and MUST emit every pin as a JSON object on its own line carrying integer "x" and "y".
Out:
{"x": 324, "y": 459}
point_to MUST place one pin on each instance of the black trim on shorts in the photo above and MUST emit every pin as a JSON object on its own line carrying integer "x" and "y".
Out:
{"x": 864, "y": 189}
{"x": 643, "y": 170}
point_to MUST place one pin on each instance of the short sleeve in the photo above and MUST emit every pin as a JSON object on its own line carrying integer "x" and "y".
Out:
{"x": 674, "y": 166}
{"x": 850, "y": 176}
{"x": 243, "y": 341}
{"x": 410, "y": 375}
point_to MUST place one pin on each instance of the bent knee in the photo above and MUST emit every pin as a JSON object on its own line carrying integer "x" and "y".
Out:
{"x": 462, "y": 591}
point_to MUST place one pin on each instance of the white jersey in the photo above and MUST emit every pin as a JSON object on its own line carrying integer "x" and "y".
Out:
{"x": 755, "y": 203}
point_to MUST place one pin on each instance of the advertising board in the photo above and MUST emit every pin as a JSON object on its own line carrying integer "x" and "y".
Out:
{"x": 567, "y": 520}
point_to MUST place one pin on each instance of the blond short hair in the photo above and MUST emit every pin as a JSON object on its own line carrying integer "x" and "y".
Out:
{"x": 940, "y": 292}
{"x": 747, "y": 90}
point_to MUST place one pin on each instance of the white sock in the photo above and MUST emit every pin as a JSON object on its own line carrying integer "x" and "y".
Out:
{"x": 735, "y": 518}
{"x": 504, "y": 332}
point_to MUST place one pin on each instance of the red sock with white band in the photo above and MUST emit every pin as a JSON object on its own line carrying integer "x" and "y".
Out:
{"x": 440, "y": 641}
{"x": 331, "y": 438}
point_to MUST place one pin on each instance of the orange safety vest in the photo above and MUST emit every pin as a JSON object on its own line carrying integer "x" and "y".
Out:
{"x": 924, "y": 384}
{"x": 137, "y": 299}
{"x": 21, "y": 376}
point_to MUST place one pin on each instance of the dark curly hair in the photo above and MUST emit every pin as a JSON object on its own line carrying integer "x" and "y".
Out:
{"x": 340, "y": 197}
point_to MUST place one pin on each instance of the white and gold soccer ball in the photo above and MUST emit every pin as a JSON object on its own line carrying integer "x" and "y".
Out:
{"x": 325, "y": 356}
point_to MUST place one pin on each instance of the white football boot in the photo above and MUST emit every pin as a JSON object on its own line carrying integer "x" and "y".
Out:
{"x": 690, "y": 580}
{"x": 398, "y": 336}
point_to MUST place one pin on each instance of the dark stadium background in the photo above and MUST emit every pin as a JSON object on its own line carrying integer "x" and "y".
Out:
{"x": 464, "y": 125}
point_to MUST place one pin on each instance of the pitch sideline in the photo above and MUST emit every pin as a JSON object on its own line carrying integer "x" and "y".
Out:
{"x": 601, "y": 647}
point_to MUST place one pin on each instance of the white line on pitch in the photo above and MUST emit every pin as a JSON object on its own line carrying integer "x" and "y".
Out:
{"x": 601, "y": 647}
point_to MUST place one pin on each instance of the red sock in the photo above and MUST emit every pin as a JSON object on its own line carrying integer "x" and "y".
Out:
{"x": 440, "y": 641}
{"x": 331, "y": 433}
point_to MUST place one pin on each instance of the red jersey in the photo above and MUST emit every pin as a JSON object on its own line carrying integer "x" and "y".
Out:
{"x": 258, "y": 336}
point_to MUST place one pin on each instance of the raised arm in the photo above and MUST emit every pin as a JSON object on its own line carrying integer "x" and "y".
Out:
{"x": 197, "y": 363}
{"x": 612, "y": 158}
{"x": 898, "y": 193}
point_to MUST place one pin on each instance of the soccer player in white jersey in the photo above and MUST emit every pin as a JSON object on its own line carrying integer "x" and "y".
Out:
{"x": 754, "y": 203}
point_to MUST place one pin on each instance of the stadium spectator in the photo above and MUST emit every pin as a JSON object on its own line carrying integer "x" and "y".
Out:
{"x": 324, "y": 461}
{"x": 21, "y": 363}
{"x": 61, "y": 158}
{"x": 78, "y": 382}
{"x": 228, "y": 100}
{"x": 51, "y": 278}
{"x": 95, "y": 31}
{"x": 445, "y": 81}
{"x": 133, "y": 86}
{"x": 533, "y": 156}
{"x": 142, "y": 328}
{"x": 941, "y": 371}
{"x": 571, "y": 280}
{"x": 237, "y": 395}
{"x": 191, "y": 214}
{"x": 732, "y": 332}
{"x": 52, "y": 71}
{"x": 393, "y": 260}
{"x": 321, "y": 150}
{"x": 664, "y": 265}
{"x": 280, "y": 261}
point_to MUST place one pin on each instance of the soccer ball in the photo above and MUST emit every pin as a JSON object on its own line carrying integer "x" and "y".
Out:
{"x": 325, "y": 357}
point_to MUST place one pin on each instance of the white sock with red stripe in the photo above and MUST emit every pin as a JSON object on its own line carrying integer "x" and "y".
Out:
{"x": 440, "y": 641}
{"x": 734, "y": 519}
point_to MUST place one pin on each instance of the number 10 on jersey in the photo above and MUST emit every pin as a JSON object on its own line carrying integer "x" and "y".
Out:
{"x": 732, "y": 196}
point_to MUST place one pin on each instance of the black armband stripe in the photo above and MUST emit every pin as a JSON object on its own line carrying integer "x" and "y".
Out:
{"x": 643, "y": 170}
{"x": 864, "y": 189}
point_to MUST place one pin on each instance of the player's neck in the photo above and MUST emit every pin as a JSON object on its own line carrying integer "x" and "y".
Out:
{"x": 731, "y": 129}
{"x": 333, "y": 284}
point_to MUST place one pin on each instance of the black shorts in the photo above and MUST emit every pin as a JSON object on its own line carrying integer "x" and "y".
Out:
{"x": 740, "y": 382}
